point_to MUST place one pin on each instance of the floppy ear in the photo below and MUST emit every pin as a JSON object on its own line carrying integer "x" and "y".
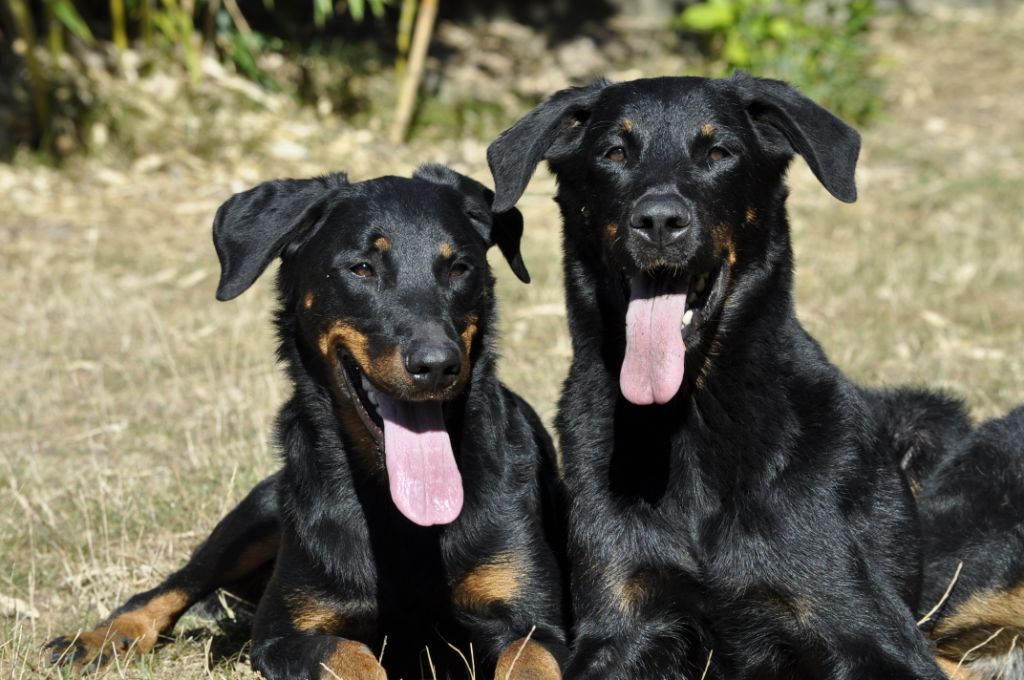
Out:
{"x": 515, "y": 154}
{"x": 829, "y": 145}
{"x": 504, "y": 229}
{"x": 255, "y": 226}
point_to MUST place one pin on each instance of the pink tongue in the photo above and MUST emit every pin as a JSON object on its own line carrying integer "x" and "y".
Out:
{"x": 653, "y": 368}
{"x": 425, "y": 482}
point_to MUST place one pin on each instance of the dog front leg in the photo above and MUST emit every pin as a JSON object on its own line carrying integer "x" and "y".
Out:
{"x": 242, "y": 543}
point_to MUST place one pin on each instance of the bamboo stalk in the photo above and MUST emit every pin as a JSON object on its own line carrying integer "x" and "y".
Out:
{"x": 146, "y": 23}
{"x": 37, "y": 78}
{"x": 54, "y": 32}
{"x": 117, "y": 24}
{"x": 238, "y": 18}
{"x": 187, "y": 18}
{"x": 411, "y": 81}
{"x": 405, "y": 19}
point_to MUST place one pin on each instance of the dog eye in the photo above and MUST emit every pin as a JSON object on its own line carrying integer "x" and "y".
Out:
{"x": 616, "y": 153}
{"x": 717, "y": 153}
{"x": 363, "y": 270}
{"x": 458, "y": 270}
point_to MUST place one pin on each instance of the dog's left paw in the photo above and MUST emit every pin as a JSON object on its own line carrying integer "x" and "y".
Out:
{"x": 525, "y": 659}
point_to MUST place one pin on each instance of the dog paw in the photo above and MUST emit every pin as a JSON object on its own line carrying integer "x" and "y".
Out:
{"x": 352, "y": 661}
{"x": 89, "y": 651}
{"x": 526, "y": 660}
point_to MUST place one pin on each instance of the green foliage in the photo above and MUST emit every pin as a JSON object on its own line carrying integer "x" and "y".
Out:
{"x": 70, "y": 19}
{"x": 818, "y": 45}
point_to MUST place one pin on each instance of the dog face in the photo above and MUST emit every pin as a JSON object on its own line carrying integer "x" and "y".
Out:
{"x": 674, "y": 186}
{"x": 385, "y": 287}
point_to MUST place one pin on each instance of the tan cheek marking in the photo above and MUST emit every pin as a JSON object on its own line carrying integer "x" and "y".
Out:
{"x": 138, "y": 629}
{"x": 468, "y": 334}
{"x": 611, "y": 230}
{"x": 446, "y": 250}
{"x": 308, "y": 300}
{"x": 389, "y": 369}
{"x": 382, "y": 244}
{"x": 723, "y": 240}
{"x": 708, "y": 130}
{"x": 751, "y": 214}
{"x": 254, "y": 556}
{"x": 355, "y": 342}
{"x": 526, "y": 659}
{"x": 626, "y": 125}
{"x": 978, "y": 618}
{"x": 494, "y": 581}
{"x": 954, "y": 670}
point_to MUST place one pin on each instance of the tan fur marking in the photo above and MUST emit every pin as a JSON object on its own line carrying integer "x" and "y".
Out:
{"x": 382, "y": 244}
{"x": 308, "y": 300}
{"x": 611, "y": 231}
{"x": 626, "y": 125}
{"x": 254, "y": 556}
{"x": 978, "y": 618}
{"x": 722, "y": 237}
{"x": 705, "y": 369}
{"x": 308, "y": 614}
{"x": 355, "y": 342}
{"x": 446, "y": 250}
{"x": 708, "y": 130}
{"x": 467, "y": 336}
{"x": 496, "y": 580}
{"x": 751, "y": 214}
{"x": 526, "y": 659}
{"x": 950, "y": 669}
{"x": 138, "y": 629}
{"x": 630, "y": 593}
{"x": 352, "y": 661}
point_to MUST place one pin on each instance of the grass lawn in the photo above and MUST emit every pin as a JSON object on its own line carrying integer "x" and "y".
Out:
{"x": 135, "y": 409}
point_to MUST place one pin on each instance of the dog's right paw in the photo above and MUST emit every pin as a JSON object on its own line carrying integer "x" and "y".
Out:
{"x": 90, "y": 651}
{"x": 353, "y": 660}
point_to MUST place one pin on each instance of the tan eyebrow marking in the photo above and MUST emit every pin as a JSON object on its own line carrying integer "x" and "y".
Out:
{"x": 446, "y": 250}
{"x": 382, "y": 244}
{"x": 708, "y": 130}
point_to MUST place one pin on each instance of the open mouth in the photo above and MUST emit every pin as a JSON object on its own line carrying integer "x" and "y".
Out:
{"x": 667, "y": 313}
{"x": 424, "y": 480}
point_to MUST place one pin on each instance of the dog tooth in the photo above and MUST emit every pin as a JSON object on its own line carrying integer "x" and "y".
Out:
{"x": 687, "y": 317}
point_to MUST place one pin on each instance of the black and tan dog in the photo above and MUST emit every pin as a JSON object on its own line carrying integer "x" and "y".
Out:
{"x": 386, "y": 328}
{"x": 737, "y": 506}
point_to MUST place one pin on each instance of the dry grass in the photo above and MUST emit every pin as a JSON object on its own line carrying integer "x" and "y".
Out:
{"x": 135, "y": 409}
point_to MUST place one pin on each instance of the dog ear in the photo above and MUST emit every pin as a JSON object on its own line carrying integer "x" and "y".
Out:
{"x": 255, "y": 226}
{"x": 515, "y": 154}
{"x": 504, "y": 229}
{"x": 829, "y": 145}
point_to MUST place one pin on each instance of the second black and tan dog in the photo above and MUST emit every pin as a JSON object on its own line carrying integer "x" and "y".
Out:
{"x": 413, "y": 501}
{"x": 738, "y": 508}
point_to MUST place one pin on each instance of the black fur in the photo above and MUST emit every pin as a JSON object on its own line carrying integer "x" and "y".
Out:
{"x": 400, "y": 264}
{"x": 758, "y": 516}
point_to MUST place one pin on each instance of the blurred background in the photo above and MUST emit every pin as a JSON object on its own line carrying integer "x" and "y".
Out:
{"x": 135, "y": 409}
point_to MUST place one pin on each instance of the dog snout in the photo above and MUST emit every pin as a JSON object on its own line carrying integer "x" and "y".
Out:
{"x": 660, "y": 218}
{"x": 433, "y": 365}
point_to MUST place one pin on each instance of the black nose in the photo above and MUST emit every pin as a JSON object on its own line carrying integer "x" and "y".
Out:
{"x": 432, "y": 365}
{"x": 660, "y": 218}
